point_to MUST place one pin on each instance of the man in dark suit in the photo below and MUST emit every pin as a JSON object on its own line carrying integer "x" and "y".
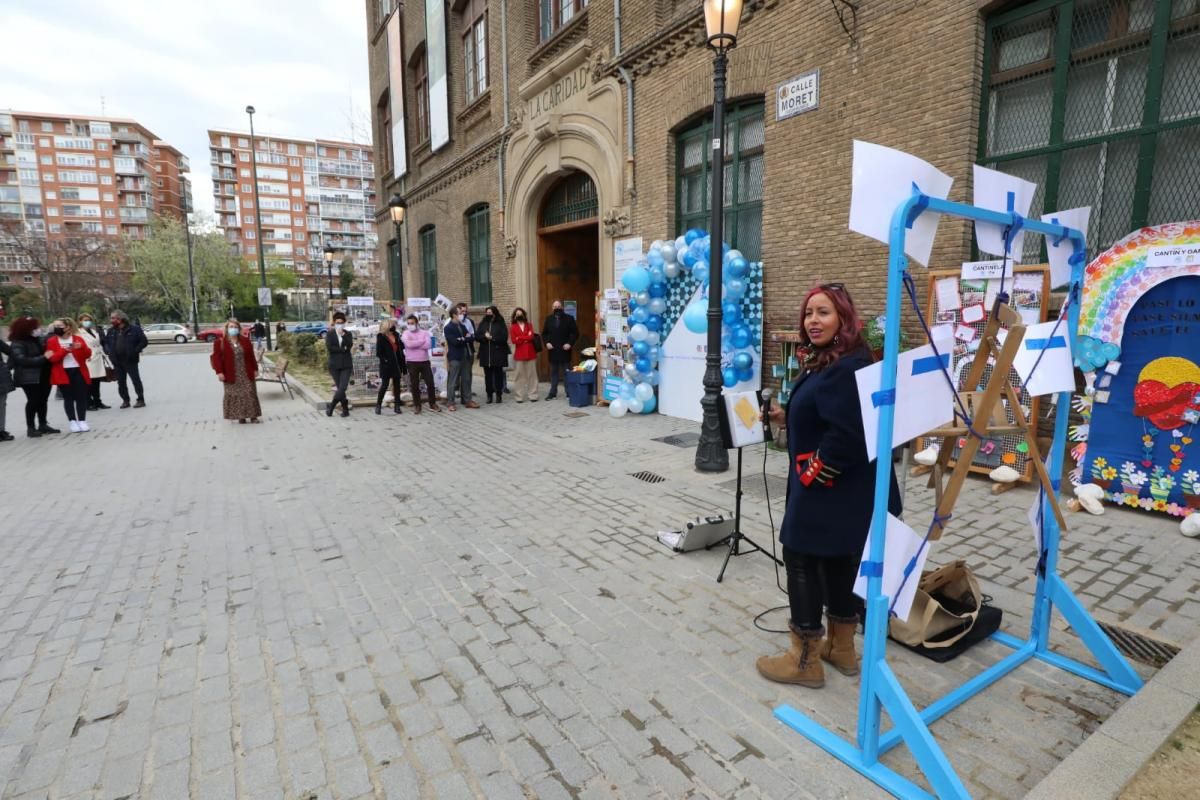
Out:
{"x": 339, "y": 345}
{"x": 559, "y": 335}
{"x": 124, "y": 344}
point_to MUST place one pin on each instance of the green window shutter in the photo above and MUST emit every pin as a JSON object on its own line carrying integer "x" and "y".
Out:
{"x": 429, "y": 276}
{"x": 479, "y": 253}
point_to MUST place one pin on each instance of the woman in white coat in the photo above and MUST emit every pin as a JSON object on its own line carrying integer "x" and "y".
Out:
{"x": 98, "y": 365}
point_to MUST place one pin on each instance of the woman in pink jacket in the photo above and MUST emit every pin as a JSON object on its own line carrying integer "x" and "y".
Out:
{"x": 416, "y": 352}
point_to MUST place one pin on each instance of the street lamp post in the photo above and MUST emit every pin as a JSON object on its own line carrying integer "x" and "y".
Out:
{"x": 187, "y": 227}
{"x": 397, "y": 207}
{"x": 329, "y": 253}
{"x": 262, "y": 265}
{"x": 721, "y": 18}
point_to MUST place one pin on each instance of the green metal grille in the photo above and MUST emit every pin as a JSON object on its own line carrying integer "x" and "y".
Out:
{"x": 744, "y": 139}
{"x": 429, "y": 275}
{"x": 479, "y": 253}
{"x": 1097, "y": 101}
{"x": 573, "y": 199}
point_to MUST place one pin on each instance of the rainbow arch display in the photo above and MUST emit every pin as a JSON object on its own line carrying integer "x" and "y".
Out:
{"x": 1115, "y": 280}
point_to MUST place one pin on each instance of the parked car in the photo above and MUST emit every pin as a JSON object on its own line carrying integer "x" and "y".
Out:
{"x": 319, "y": 328}
{"x": 168, "y": 332}
{"x": 210, "y": 335}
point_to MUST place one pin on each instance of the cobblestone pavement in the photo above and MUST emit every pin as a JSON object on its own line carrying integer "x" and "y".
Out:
{"x": 462, "y": 605}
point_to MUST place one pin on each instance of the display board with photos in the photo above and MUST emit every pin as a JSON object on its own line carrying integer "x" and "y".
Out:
{"x": 612, "y": 338}
{"x": 964, "y": 303}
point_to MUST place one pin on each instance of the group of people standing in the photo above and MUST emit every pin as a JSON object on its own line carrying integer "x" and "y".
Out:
{"x": 74, "y": 355}
{"x": 490, "y": 341}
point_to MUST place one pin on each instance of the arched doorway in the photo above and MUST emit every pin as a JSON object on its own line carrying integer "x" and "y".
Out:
{"x": 568, "y": 251}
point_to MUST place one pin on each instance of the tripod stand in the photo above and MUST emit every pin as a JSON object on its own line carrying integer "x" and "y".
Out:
{"x": 736, "y": 540}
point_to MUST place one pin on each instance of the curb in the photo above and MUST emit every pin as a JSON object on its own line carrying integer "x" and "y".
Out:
{"x": 300, "y": 388}
{"x": 1108, "y": 760}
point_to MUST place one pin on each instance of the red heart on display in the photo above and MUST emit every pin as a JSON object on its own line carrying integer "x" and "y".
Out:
{"x": 1164, "y": 406}
{"x": 1147, "y": 463}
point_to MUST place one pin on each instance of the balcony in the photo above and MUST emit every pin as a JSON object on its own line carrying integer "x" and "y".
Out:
{"x": 184, "y": 164}
{"x": 135, "y": 215}
{"x": 130, "y": 136}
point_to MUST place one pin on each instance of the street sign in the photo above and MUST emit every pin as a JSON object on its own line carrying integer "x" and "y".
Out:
{"x": 798, "y": 95}
{"x": 264, "y": 295}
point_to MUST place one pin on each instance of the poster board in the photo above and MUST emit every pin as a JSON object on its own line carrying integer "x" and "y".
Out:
{"x": 612, "y": 336}
{"x": 963, "y": 304}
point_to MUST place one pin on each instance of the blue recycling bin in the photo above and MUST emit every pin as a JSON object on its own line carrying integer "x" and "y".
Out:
{"x": 581, "y": 387}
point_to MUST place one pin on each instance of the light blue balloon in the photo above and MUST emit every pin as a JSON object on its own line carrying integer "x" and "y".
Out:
{"x": 743, "y": 361}
{"x": 729, "y": 377}
{"x": 740, "y": 336}
{"x": 653, "y": 338}
{"x": 639, "y": 314}
{"x": 693, "y": 234}
{"x": 657, "y": 276}
{"x": 637, "y": 332}
{"x": 654, "y": 377}
{"x": 737, "y": 267}
{"x": 695, "y": 316}
{"x": 643, "y": 391}
{"x": 657, "y": 306}
{"x": 654, "y": 354}
{"x": 641, "y": 348}
{"x": 735, "y": 288}
{"x": 698, "y": 249}
{"x": 643, "y": 365}
{"x": 636, "y": 279}
{"x": 626, "y": 390}
{"x": 649, "y": 405}
{"x": 730, "y": 255}
{"x": 655, "y": 258}
{"x": 700, "y": 271}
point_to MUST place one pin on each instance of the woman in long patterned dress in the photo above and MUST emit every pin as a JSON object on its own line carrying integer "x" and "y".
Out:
{"x": 233, "y": 361}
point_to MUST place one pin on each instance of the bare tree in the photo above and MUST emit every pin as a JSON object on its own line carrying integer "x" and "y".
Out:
{"x": 74, "y": 268}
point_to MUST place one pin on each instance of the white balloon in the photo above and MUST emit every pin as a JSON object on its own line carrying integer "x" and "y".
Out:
{"x": 668, "y": 252}
{"x": 642, "y": 298}
{"x": 643, "y": 392}
{"x": 653, "y": 338}
{"x": 671, "y": 270}
{"x": 630, "y": 371}
{"x": 638, "y": 332}
{"x": 656, "y": 245}
{"x": 617, "y": 408}
{"x": 657, "y": 305}
{"x": 635, "y": 406}
{"x": 681, "y": 244}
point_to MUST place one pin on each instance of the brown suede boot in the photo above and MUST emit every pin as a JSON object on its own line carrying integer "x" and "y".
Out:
{"x": 799, "y": 664}
{"x": 838, "y": 649}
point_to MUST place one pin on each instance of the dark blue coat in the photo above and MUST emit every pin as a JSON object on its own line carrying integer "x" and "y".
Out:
{"x": 129, "y": 349}
{"x": 831, "y": 485}
{"x": 460, "y": 344}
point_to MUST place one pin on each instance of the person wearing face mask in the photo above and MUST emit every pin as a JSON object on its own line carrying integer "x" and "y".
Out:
{"x": 339, "y": 345}
{"x": 98, "y": 365}
{"x": 560, "y": 334}
{"x": 124, "y": 343}
{"x": 234, "y": 362}
{"x": 830, "y": 493}
{"x": 521, "y": 334}
{"x": 31, "y": 372}
{"x": 417, "y": 344}
{"x": 6, "y": 387}
{"x": 68, "y": 355}
{"x": 460, "y": 356}
{"x": 492, "y": 335}
{"x": 390, "y": 352}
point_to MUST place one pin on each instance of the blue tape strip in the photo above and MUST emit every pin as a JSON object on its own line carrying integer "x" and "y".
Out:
{"x": 1046, "y": 344}
{"x": 871, "y": 569}
{"x": 931, "y": 364}
{"x": 884, "y": 397}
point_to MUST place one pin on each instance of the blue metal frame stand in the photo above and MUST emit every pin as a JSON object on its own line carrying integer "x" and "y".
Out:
{"x": 880, "y": 689}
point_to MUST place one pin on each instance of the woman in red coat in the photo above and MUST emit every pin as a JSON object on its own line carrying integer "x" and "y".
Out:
{"x": 233, "y": 361}
{"x": 68, "y": 355}
{"x": 521, "y": 334}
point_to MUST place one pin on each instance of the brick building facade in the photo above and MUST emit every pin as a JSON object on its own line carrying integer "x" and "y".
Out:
{"x": 541, "y": 146}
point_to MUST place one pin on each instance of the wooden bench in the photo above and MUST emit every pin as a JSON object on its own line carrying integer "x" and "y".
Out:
{"x": 279, "y": 376}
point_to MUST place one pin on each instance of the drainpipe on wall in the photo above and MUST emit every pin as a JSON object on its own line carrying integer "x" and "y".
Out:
{"x": 630, "y": 188}
{"x": 504, "y": 129}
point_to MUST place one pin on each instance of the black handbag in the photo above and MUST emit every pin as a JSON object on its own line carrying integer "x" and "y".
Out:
{"x": 537, "y": 343}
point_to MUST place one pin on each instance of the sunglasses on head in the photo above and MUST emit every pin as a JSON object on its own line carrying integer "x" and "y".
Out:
{"x": 840, "y": 287}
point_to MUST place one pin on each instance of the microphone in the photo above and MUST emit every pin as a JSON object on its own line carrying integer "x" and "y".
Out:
{"x": 767, "y": 394}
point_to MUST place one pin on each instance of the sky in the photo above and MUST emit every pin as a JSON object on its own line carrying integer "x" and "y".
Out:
{"x": 180, "y": 68}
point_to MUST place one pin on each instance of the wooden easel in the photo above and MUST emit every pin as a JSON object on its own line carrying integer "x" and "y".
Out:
{"x": 987, "y": 417}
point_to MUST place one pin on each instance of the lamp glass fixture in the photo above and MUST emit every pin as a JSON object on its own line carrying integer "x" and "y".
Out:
{"x": 397, "y": 207}
{"x": 721, "y": 20}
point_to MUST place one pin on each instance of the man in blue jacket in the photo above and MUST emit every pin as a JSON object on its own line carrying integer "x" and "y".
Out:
{"x": 124, "y": 343}
{"x": 460, "y": 356}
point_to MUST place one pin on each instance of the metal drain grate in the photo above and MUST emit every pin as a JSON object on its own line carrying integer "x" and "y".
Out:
{"x": 648, "y": 477}
{"x": 1138, "y": 647}
{"x": 690, "y": 439}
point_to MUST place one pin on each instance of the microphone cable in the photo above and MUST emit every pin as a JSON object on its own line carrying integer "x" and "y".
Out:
{"x": 770, "y": 516}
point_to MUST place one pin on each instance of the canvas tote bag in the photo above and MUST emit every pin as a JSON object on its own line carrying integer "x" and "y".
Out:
{"x": 945, "y": 608}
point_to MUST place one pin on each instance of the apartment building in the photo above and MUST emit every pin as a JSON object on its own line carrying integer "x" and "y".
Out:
{"x": 530, "y": 136}
{"x": 312, "y": 193}
{"x": 77, "y": 176}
